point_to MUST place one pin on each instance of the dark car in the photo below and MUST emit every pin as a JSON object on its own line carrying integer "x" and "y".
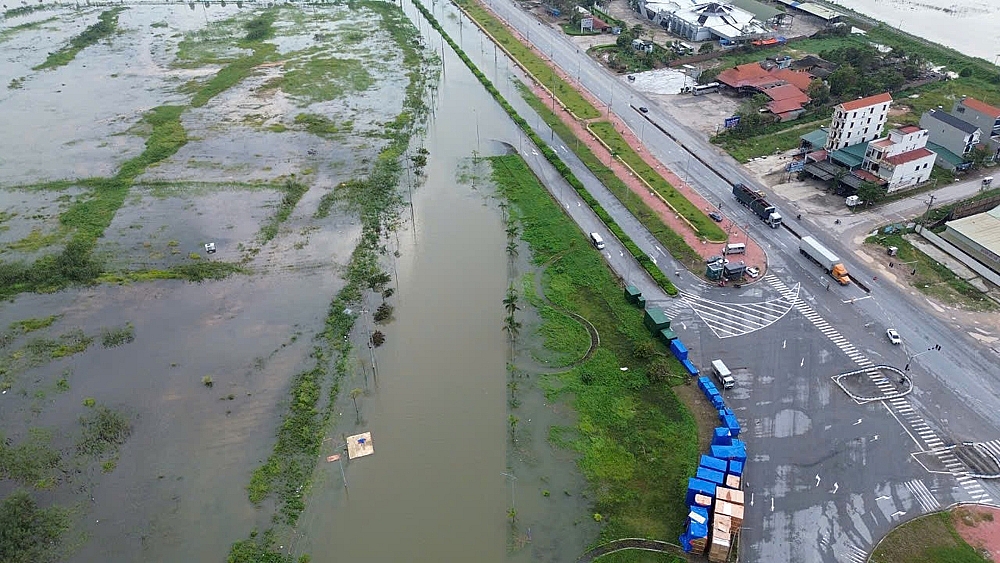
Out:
{"x": 644, "y": 109}
{"x": 715, "y": 217}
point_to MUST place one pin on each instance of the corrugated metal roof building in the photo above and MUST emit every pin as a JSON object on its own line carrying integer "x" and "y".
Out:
{"x": 977, "y": 235}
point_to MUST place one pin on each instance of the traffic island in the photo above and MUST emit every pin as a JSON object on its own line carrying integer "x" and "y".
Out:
{"x": 875, "y": 383}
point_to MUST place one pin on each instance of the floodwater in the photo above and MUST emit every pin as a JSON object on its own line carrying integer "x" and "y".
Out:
{"x": 443, "y": 474}
{"x": 436, "y": 487}
{"x": 434, "y": 490}
{"x": 968, "y": 26}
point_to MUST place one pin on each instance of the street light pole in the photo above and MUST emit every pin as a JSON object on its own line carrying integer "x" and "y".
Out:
{"x": 513, "y": 480}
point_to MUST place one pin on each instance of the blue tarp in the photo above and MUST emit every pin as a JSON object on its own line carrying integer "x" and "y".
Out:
{"x": 690, "y": 368}
{"x": 678, "y": 349}
{"x": 723, "y": 412}
{"x": 697, "y": 486}
{"x": 718, "y": 402}
{"x": 685, "y": 542}
{"x": 721, "y": 437}
{"x": 711, "y": 475}
{"x": 738, "y": 453}
{"x": 735, "y": 467}
{"x": 696, "y": 530}
{"x": 733, "y": 425}
{"x": 713, "y": 463}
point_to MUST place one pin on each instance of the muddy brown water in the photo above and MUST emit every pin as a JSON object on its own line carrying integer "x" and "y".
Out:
{"x": 435, "y": 488}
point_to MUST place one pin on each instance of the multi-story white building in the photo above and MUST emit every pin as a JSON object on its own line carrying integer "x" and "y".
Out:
{"x": 858, "y": 121}
{"x": 901, "y": 159}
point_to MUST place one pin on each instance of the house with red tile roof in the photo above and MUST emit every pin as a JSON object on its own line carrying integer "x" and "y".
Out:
{"x": 785, "y": 87}
{"x": 902, "y": 158}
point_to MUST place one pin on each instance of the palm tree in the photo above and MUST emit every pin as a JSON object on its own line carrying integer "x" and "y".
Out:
{"x": 511, "y": 253}
{"x": 355, "y": 393}
{"x": 510, "y": 301}
{"x": 513, "y": 420}
{"x": 512, "y": 231}
{"x": 513, "y": 328}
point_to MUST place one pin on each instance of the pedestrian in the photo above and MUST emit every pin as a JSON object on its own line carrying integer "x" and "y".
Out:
{"x": 874, "y": 279}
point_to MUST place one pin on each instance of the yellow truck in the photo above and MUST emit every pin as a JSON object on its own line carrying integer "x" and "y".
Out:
{"x": 813, "y": 250}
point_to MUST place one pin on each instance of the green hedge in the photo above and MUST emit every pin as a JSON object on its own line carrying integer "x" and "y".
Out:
{"x": 644, "y": 260}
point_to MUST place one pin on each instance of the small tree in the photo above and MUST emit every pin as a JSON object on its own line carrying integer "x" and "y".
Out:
{"x": 871, "y": 193}
{"x": 512, "y": 421}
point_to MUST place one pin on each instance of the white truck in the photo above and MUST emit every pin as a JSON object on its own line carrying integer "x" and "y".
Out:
{"x": 813, "y": 250}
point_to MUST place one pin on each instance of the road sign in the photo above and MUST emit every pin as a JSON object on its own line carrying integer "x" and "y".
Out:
{"x": 796, "y": 165}
{"x": 586, "y": 24}
{"x": 732, "y": 121}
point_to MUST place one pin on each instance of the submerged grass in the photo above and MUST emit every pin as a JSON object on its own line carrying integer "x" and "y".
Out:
{"x": 324, "y": 78}
{"x": 30, "y": 325}
{"x": 292, "y": 192}
{"x": 31, "y": 534}
{"x": 10, "y": 32}
{"x": 104, "y": 28}
{"x": 637, "y": 442}
{"x": 32, "y": 461}
{"x": 322, "y": 126}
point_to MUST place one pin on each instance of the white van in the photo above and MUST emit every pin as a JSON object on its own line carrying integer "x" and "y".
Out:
{"x": 723, "y": 375}
{"x": 597, "y": 241}
{"x": 736, "y": 248}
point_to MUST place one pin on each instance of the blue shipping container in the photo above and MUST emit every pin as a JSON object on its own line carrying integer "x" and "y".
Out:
{"x": 690, "y": 368}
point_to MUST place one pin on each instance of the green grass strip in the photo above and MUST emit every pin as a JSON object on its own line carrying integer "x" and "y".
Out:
{"x": 645, "y": 261}
{"x": 568, "y": 95}
{"x": 673, "y": 242}
{"x": 703, "y": 226}
{"x": 104, "y": 28}
{"x": 637, "y": 443}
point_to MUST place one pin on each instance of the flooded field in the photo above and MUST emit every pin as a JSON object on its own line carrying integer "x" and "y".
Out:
{"x": 141, "y": 408}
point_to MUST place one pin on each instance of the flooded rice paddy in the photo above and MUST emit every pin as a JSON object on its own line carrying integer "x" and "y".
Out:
{"x": 203, "y": 377}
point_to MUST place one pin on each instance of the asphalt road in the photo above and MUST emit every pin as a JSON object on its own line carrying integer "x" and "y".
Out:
{"x": 828, "y": 477}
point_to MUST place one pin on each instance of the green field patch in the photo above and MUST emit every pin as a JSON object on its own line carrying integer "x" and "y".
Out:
{"x": 321, "y": 78}
{"x": 563, "y": 337}
{"x": 928, "y": 539}
{"x": 10, "y": 32}
{"x": 932, "y": 278}
{"x": 322, "y": 126}
{"x": 636, "y": 441}
{"x": 704, "y": 226}
{"x": 105, "y": 27}
{"x": 31, "y": 534}
{"x": 572, "y": 99}
{"x": 25, "y": 326}
{"x": 31, "y": 461}
{"x": 784, "y": 139}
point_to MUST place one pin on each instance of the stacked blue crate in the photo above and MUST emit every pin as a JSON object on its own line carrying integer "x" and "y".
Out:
{"x": 713, "y": 463}
{"x": 699, "y": 487}
{"x": 735, "y": 468}
{"x": 696, "y": 531}
{"x": 711, "y": 475}
{"x": 721, "y": 437}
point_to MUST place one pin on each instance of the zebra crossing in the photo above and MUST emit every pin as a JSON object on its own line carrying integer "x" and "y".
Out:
{"x": 727, "y": 320}
{"x": 900, "y": 407}
{"x": 992, "y": 447}
{"x": 923, "y": 495}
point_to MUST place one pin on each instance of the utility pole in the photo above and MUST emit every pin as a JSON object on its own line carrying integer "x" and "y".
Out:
{"x": 923, "y": 221}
